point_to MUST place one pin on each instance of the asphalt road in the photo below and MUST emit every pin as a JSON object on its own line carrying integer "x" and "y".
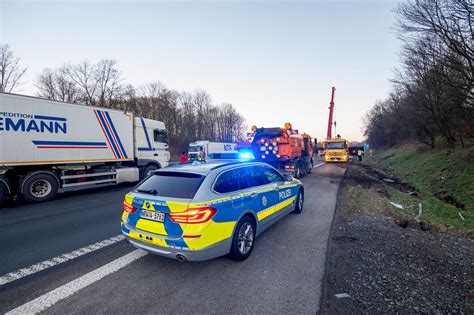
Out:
{"x": 283, "y": 275}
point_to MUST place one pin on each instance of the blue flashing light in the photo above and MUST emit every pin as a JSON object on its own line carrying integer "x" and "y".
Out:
{"x": 246, "y": 156}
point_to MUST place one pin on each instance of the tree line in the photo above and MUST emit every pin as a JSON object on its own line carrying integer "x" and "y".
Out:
{"x": 432, "y": 100}
{"x": 188, "y": 116}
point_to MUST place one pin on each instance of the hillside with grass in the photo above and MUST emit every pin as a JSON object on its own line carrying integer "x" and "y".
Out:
{"x": 443, "y": 180}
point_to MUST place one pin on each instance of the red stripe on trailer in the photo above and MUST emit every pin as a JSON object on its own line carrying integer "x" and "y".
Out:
{"x": 69, "y": 147}
{"x": 113, "y": 135}
{"x": 105, "y": 134}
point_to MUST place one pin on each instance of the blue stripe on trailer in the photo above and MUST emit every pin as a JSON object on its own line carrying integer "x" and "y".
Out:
{"x": 41, "y": 142}
{"x": 146, "y": 135}
{"x": 113, "y": 138}
{"x": 116, "y": 134}
{"x": 152, "y": 149}
{"x": 104, "y": 124}
{"x": 50, "y": 118}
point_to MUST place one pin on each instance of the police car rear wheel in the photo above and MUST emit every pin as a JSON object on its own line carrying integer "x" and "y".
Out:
{"x": 40, "y": 187}
{"x": 243, "y": 239}
{"x": 299, "y": 202}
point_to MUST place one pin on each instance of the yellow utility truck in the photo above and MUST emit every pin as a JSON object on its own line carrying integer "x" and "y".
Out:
{"x": 336, "y": 150}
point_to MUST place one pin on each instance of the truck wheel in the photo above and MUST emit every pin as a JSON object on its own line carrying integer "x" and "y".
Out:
{"x": 3, "y": 193}
{"x": 297, "y": 171}
{"x": 149, "y": 170}
{"x": 40, "y": 187}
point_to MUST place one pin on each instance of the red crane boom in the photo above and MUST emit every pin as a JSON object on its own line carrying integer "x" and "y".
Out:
{"x": 331, "y": 110}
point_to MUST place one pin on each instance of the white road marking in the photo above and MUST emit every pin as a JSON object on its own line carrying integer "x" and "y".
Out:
{"x": 319, "y": 164}
{"x": 24, "y": 272}
{"x": 49, "y": 299}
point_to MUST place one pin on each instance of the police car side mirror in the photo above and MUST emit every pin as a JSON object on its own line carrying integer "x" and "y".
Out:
{"x": 288, "y": 178}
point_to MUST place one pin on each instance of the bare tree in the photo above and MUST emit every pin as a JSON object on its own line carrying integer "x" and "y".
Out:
{"x": 449, "y": 26}
{"x": 83, "y": 75}
{"x": 107, "y": 82}
{"x": 56, "y": 85}
{"x": 201, "y": 100}
{"x": 10, "y": 70}
{"x": 187, "y": 116}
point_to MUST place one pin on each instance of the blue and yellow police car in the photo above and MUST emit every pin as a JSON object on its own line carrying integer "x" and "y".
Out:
{"x": 201, "y": 211}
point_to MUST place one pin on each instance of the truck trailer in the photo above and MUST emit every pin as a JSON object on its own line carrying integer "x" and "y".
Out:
{"x": 208, "y": 147}
{"x": 48, "y": 147}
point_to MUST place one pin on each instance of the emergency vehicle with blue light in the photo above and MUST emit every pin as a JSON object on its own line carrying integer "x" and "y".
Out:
{"x": 200, "y": 211}
{"x": 283, "y": 148}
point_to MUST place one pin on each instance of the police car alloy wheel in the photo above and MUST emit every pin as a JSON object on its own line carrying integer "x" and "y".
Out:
{"x": 299, "y": 202}
{"x": 243, "y": 240}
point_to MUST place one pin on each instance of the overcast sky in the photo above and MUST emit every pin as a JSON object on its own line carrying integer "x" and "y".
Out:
{"x": 275, "y": 61}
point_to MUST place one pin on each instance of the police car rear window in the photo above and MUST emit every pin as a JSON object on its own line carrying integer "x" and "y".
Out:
{"x": 224, "y": 156}
{"x": 171, "y": 185}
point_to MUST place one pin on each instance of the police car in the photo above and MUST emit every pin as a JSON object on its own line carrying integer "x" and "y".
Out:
{"x": 201, "y": 211}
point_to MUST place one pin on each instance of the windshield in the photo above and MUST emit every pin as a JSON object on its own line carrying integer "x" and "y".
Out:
{"x": 171, "y": 184}
{"x": 336, "y": 145}
{"x": 160, "y": 136}
{"x": 268, "y": 135}
{"x": 194, "y": 148}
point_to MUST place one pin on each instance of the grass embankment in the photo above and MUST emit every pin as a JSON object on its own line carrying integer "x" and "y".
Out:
{"x": 444, "y": 180}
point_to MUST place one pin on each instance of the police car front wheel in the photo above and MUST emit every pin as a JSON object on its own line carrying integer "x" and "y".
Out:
{"x": 243, "y": 239}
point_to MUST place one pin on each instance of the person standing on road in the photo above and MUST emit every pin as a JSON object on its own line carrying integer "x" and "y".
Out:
{"x": 184, "y": 158}
{"x": 201, "y": 155}
{"x": 359, "y": 154}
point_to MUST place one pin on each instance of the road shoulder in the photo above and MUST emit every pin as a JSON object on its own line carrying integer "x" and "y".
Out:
{"x": 377, "y": 265}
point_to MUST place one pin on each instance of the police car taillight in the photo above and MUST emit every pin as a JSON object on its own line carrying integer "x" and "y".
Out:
{"x": 129, "y": 208}
{"x": 289, "y": 167}
{"x": 193, "y": 215}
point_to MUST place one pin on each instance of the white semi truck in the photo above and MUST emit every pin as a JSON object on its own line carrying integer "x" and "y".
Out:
{"x": 48, "y": 147}
{"x": 208, "y": 147}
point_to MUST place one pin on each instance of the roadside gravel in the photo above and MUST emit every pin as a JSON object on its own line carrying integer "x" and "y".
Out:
{"x": 385, "y": 268}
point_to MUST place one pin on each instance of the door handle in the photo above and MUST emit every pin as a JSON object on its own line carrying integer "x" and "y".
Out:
{"x": 253, "y": 195}
{"x": 277, "y": 188}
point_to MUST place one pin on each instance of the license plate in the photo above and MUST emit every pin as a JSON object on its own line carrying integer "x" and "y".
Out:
{"x": 153, "y": 215}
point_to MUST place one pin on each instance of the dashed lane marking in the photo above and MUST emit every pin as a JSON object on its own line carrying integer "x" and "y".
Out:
{"x": 320, "y": 164}
{"x": 49, "y": 299}
{"x": 24, "y": 272}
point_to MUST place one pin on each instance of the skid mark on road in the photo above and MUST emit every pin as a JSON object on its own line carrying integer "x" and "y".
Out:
{"x": 320, "y": 164}
{"x": 24, "y": 272}
{"x": 49, "y": 299}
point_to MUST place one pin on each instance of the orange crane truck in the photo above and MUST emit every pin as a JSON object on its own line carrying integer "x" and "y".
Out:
{"x": 284, "y": 148}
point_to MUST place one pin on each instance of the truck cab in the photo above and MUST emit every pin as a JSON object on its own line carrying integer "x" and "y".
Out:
{"x": 336, "y": 150}
{"x": 151, "y": 143}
